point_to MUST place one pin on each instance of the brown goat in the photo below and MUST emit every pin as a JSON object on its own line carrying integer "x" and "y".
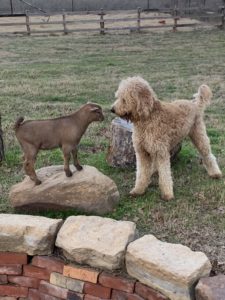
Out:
{"x": 64, "y": 132}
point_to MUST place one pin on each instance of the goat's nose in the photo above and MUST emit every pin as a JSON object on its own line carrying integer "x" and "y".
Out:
{"x": 113, "y": 110}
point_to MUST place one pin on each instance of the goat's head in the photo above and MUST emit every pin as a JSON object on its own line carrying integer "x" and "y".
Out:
{"x": 94, "y": 112}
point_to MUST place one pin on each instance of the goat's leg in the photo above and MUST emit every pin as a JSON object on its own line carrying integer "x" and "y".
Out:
{"x": 29, "y": 158}
{"x": 66, "y": 153}
{"x": 75, "y": 160}
{"x": 30, "y": 171}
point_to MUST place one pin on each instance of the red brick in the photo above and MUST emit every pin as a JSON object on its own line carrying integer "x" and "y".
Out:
{"x": 36, "y": 272}
{"x": 13, "y": 258}
{"x": 74, "y": 296}
{"x": 148, "y": 293}
{"x": 8, "y": 298}
{"x": 81, "y": 273}
{"x": 119, "y": 295}
{"x": 118, "y": 283}
{"x": 11, "y": 269}
{"x": 90, "y": 297}
{"x": 53, "y": 290}
{"x": 14, "y": 291}
{"x": 25, "y": 281}
{"x": 33, "y": 294}
{"x": 3, "y": 279}
{"x": 97, "y": 290}
{"x": 53, "y": 264}
{"x": 47, "y": 297}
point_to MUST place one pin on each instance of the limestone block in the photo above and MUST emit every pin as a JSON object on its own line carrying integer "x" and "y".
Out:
{"x": 96, "y": 241}
{"x": 29, "y": 234}
{"x": 211, "y": 288}
{"x": 172, "y": 269}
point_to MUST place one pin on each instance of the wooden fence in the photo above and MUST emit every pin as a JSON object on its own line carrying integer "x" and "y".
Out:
{"x": 100, "y": 23}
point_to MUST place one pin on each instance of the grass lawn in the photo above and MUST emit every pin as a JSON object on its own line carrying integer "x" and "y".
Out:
{"x": 44, "y": 77}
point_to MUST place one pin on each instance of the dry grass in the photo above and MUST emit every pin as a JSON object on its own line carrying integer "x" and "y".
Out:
{"x": 43, "y": 77}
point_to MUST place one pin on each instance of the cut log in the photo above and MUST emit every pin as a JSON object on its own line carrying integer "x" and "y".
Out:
{"x": 2, "y": 154}
{"x": 121, "y": 151}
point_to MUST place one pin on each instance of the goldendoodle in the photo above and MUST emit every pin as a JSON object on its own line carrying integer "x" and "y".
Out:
{"x": 158, "y": 127}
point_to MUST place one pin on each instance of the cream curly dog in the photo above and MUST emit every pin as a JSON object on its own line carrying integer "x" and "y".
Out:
{"x": 158, "y": 127}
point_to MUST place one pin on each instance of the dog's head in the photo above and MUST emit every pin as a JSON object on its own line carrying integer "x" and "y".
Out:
{"x": 135, "y": 99}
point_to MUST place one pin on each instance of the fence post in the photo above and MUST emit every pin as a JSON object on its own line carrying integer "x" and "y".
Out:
{"x": 102, "y": 22}
{"x": 64, "y": 23}
{"x": 139, "y": 20}
{"x": 2, "y": 154}
{"x": 28, "y": 22}
{"x": 223, "y": 15}
{"x": 175, "y": 13}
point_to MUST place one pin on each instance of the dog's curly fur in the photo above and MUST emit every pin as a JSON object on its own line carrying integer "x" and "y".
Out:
{"x": 158, "y": 127}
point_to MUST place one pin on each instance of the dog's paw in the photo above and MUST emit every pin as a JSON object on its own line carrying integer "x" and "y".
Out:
{"x": 135, "y": 193}
{"x": 216, "y": 176}
{"x": 167, "y": 197}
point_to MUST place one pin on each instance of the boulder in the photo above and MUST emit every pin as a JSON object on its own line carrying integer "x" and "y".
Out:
{"x": 88, "y": 190}
{"x": 96, "y": 241}
{"x": 211, "y": 288}
{"x": 172, "y": 269}
{"x": 33, "y": 235}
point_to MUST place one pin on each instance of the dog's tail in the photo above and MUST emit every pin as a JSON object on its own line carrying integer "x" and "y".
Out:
{"x": 203, "y": 97}
{"x": 19, "y": 121}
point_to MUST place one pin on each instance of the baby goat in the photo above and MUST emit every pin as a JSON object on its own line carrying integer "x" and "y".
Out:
{"x": 64, "y": 132}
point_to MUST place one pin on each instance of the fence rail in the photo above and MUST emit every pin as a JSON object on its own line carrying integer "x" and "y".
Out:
{"x": 102, "y": 21}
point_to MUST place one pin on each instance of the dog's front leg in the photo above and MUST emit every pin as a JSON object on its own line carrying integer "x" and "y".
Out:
{"x": 145, "y": 169}
{"x": 165, "y": 177}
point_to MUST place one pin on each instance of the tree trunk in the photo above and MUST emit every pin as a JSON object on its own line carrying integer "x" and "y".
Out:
{"x": 121, "y": 152}
{"x": 2, "y": 155}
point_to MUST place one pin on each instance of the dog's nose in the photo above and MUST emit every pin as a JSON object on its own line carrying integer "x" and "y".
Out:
{"x": 113, "y": 110}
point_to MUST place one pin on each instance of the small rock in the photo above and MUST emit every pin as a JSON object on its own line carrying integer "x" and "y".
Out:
{"x": 169, "y": 268}
{"x": 96, "y": 241}
{"x": 211, "y": 288}
{"x": 88, "y": 190}
{"x": 29, "y": 234}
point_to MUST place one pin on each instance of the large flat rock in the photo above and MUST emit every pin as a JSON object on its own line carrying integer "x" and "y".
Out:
{"x": 29, "y": 234}
{"x": 172, "y": 269}
{"x": 96, "y": 241}
{"x": 88, "y": 190}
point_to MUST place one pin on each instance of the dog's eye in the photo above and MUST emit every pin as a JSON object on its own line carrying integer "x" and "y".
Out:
{"x": 123, "y": 100}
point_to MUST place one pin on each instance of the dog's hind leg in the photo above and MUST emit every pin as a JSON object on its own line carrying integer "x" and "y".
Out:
{"x": 165, "y": 177}
{"x": 145, "y": 169}
{"x": 201, "y": 141}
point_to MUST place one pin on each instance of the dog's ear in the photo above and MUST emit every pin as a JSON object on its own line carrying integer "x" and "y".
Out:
{"x": 146, "y": 99}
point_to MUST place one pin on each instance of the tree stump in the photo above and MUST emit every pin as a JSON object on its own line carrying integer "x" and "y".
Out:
{"x": 2, "y": 154}
{"x": 121, "y": 151}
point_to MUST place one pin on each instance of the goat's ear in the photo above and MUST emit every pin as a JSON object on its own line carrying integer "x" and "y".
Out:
{"x": 95, "y": 109}
{"x": 145, "y": 103}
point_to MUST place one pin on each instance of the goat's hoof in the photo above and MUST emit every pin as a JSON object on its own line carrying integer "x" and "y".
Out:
{"x": 69, "y": 174}
{"x": 79, "y": 168}
{"x": 37, "y": 182}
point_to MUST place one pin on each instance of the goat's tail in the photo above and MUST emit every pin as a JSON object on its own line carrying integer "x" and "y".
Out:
{"x": 203, "y": 97}
{"x": 19, "y": 121}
